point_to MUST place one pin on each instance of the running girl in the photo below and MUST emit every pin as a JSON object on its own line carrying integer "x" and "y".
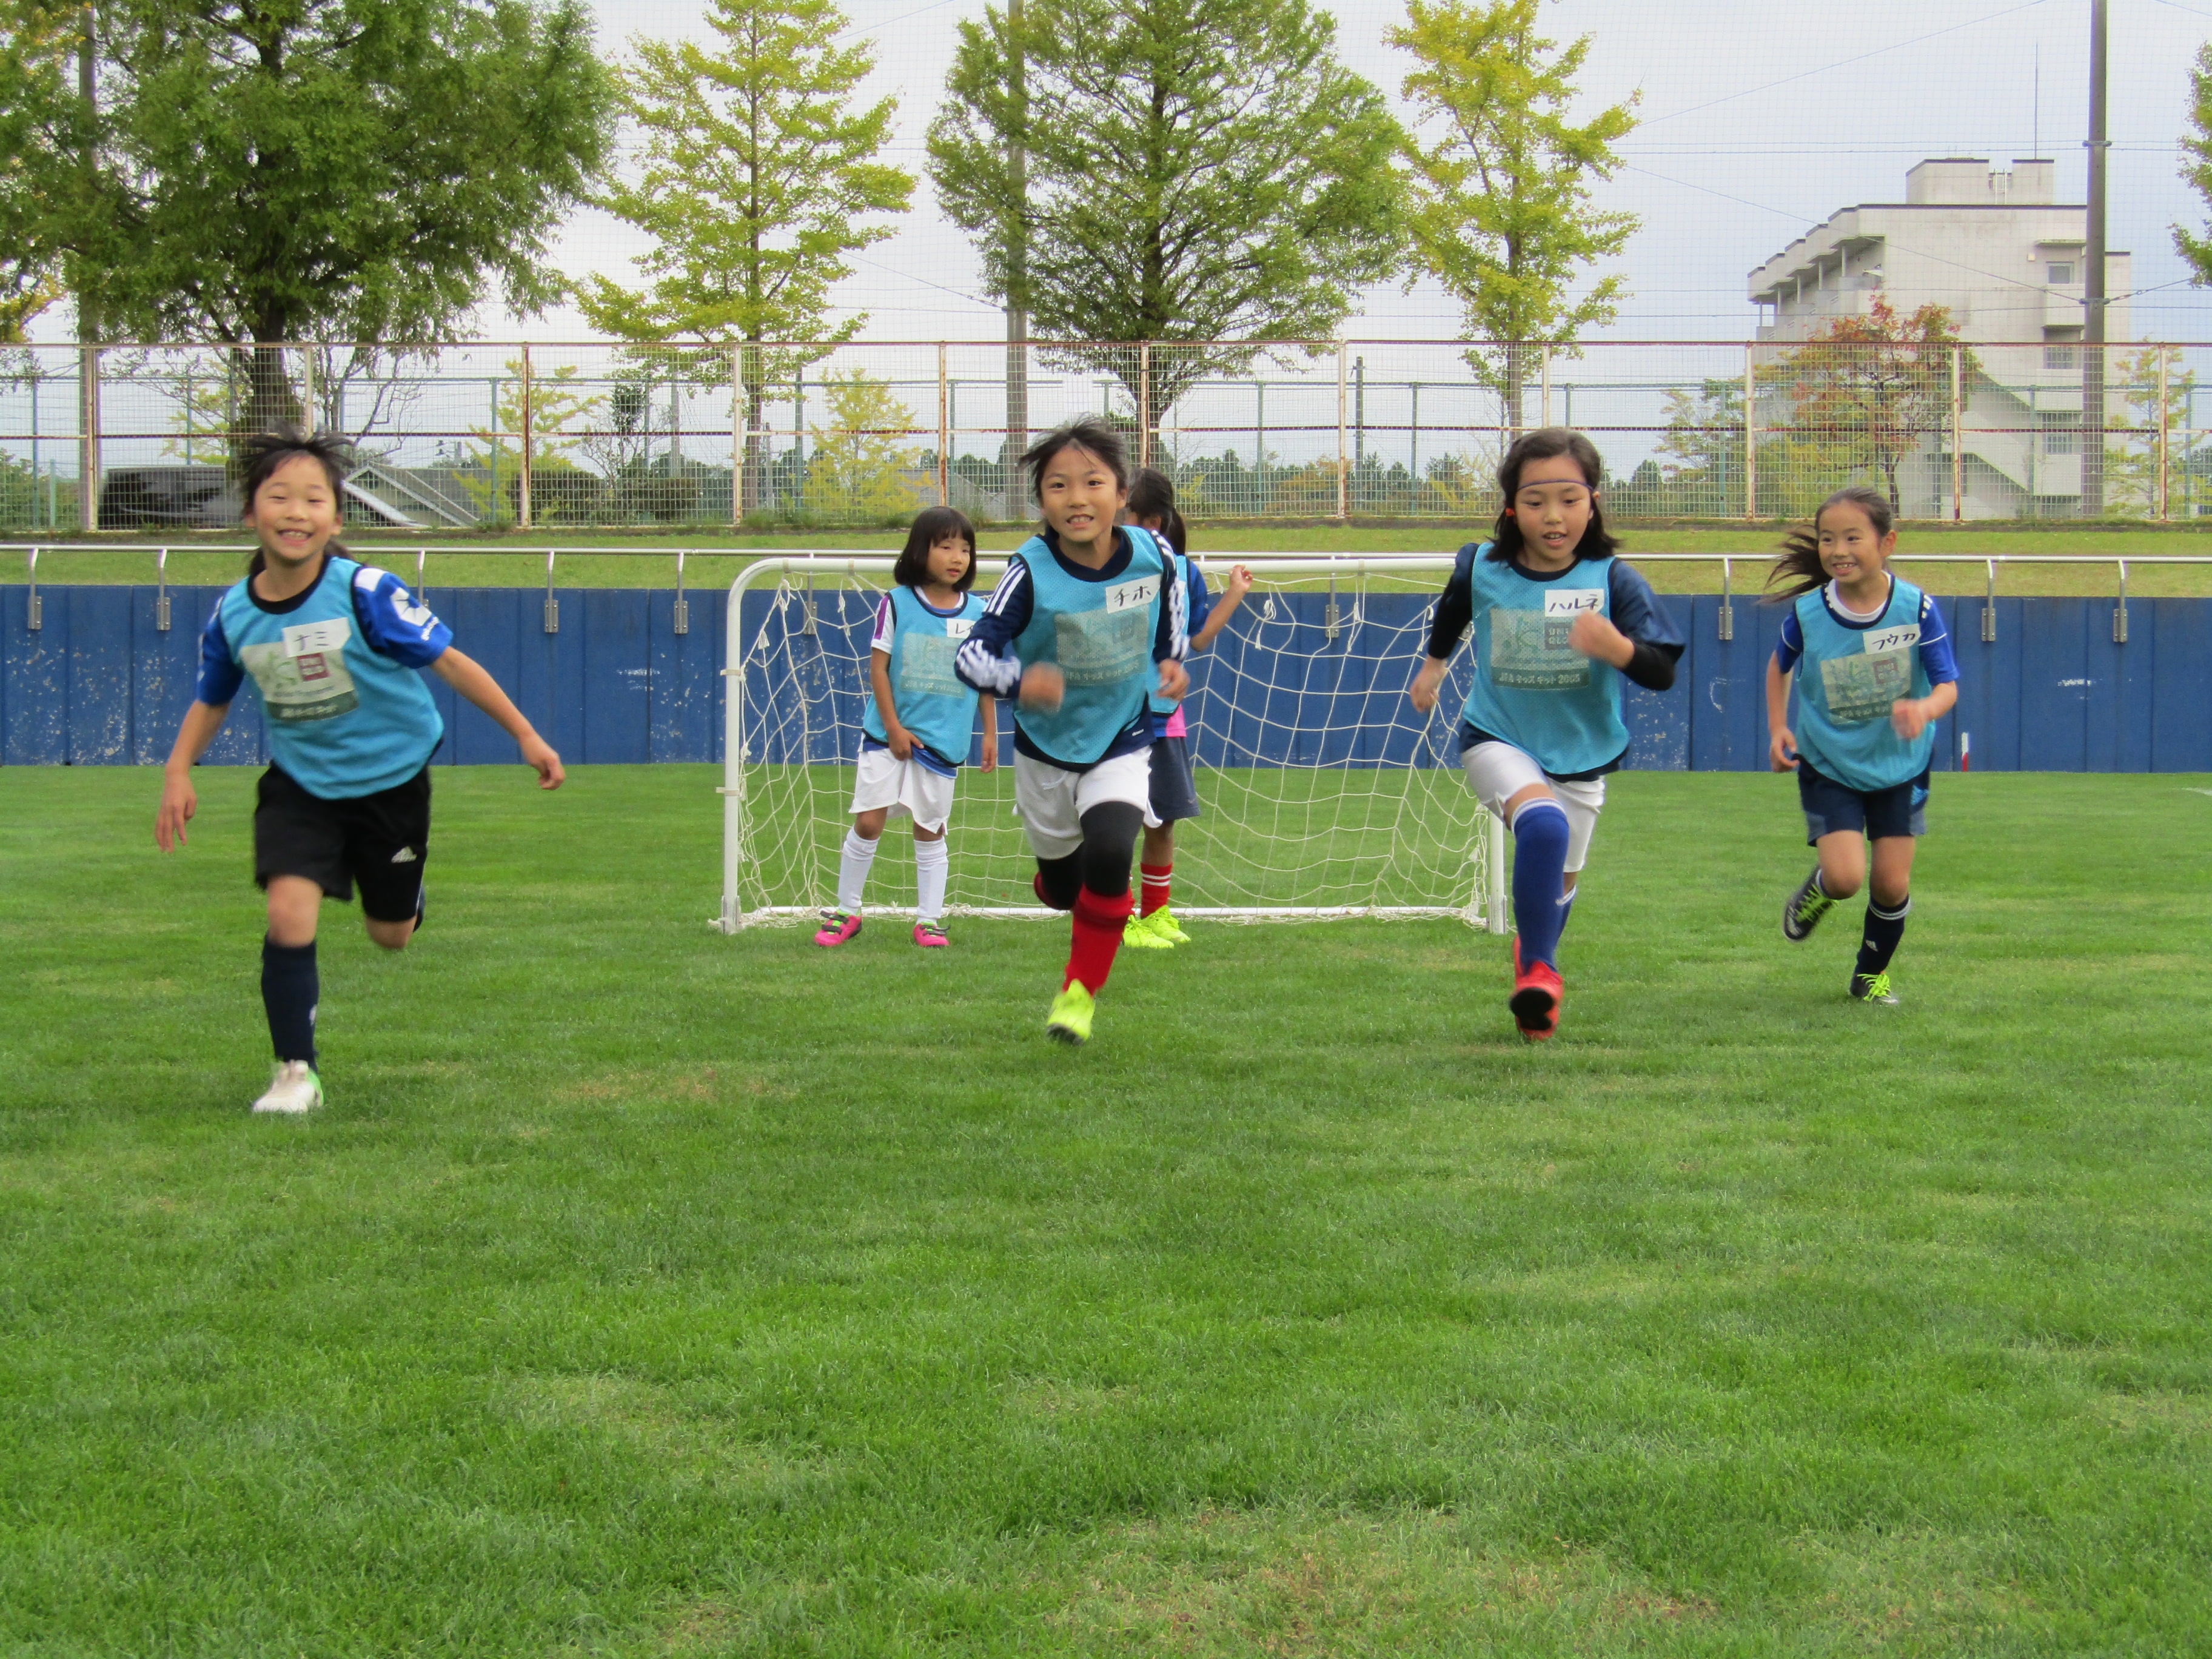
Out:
{"x": 919, "y": 719}
{"x": 333, "y": 645}
{"x": 1174, "y": 787}
{"x": 1559, "y": 621}
{"x": 1879, "y": 672}
{"x": 1086, "y": 608}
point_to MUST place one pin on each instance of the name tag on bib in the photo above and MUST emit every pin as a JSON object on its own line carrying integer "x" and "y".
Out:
{"x": 1127, "y": 596}
{"x": 959, "y": 628}
{"x": 317, "y": 638}
{"x": 1573, "y": 601}
{"x": 1893, "y": 639}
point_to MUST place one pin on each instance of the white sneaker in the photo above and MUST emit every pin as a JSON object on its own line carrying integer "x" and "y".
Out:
{"x": 294, "y": 1089}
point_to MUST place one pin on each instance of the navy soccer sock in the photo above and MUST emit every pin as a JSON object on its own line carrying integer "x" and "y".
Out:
{"x": 1540, "y": 866}
{"x": 290, "y": 988}
{"x": 1885, "y": 929}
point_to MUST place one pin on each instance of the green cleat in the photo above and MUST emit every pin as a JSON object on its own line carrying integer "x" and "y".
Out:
{"x": 1802, "y": 914}
{"x": 1162, "y": 923}
{"x": 1069, "y": 1021}
{"x": 1138, "y": 935}
{"x": 1873, "y": 987}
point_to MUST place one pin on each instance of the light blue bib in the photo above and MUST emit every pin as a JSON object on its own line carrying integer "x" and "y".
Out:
{"x": 1181, "y": 574}
{"x": 1533, "y": 688}
{"x": 1846, "y": 681}
{"x": 344, "y": 720}
{"x": 1099, "y": 635}
{"x": 931, "y": 702}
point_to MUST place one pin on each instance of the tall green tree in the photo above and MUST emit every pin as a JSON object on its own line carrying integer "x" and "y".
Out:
{"x": 2198, "y": 170}
{"x": 1499, "y": 176}
{"x": 759, "y": 179}
{"x": 44, "y": 132}
{"x": 370, "y": 169}
{"x": 1204, "y": 173}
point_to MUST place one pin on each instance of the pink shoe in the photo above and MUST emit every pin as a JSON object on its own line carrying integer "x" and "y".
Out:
{"x": 930, "y": 936}
{"x": 837, "y": 927}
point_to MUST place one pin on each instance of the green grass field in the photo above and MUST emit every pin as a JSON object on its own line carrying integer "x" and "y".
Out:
{"x": 644, "y": 559}
{"x": 643, "y": 1291}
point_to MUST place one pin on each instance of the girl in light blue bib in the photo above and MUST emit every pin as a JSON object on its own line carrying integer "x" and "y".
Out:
{"x": 1874, "y": 671}
{"x": 919, "y": 722}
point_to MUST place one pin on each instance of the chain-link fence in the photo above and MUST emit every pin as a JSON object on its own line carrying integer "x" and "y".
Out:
{"x": 548, "y": 435}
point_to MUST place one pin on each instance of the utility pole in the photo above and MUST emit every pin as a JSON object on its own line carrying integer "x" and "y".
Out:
{"x": 2093, "y": 297}
{"x": 1018, "y": 272}
{"x": 88, "y": 304}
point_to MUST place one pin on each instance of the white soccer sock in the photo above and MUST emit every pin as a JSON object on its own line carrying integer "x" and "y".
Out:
{"x": 853, "y": 871}
{"x": 933, "y": 863}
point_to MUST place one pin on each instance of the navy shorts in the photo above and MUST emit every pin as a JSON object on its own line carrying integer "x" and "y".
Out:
{"x": 1175, "y": 791}
{"x": 377, "y": 842}
{"x": 1877, "y": 814}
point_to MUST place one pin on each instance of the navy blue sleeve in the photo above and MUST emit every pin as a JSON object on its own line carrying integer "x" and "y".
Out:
{"x": 1172, "y": 638}
{"x": 1455, "y": 607}
{"x": 1199, "y": 600}
{"x": 986, "y": 662}
{"x": 1939, "y": 662}
{"x": 1791, "y": 646}
{"x": 392, "y": 624}
{"x": 1637, "y": 612}
{"x": 220, "y": 674}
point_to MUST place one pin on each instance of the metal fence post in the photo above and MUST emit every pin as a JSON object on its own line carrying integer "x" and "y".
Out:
{"x": 738, "y": 409}
{"x": 307, "y": 388}
{"x": 944, "y": 431}
{"x": 1728, "y": 600}
{"x": 34, "y": 608}
{"x": 161, "y": 591}
{"x": 1750, "y": 435}
{"x": 1547, "y": 383}
{"x": 529, "y": 441}
{"x": 1343, "y": 475}
{"x": 2165, "y": 421}
{"x": 1144, "y": 402}
{"x": 1957, "y": 433}
{"x": 552, "y": 604}
{"x": 88, "y": 443}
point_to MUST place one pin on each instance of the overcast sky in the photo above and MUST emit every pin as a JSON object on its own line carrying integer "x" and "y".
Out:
{"x": 1759, "y": 121}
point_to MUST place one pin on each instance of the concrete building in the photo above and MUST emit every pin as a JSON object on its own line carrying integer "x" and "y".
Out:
{"x": 2006, "y": 260}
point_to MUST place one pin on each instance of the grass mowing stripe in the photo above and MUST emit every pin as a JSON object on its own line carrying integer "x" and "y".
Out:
{"x": 646, "y": 1291}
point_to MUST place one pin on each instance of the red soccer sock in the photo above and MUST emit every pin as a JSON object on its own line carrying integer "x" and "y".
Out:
{"x": 1098, "y": 924}
{"x": 1156, "y": 878}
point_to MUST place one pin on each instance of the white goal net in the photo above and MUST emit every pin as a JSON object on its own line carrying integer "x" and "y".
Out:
{"x": 1324, "y": 793}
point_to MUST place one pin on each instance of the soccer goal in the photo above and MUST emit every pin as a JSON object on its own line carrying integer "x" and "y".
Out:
{"x": 1325, "y": 794}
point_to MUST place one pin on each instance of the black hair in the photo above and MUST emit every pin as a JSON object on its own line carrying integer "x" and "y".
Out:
{"x": 1151, "y": 496}
{"x": 931, "y": 526}
{"x": 1545, "y": 444}
{"x": 1086, "y": 433}
{"x": 1801, "y": 549}
{"x": 265, "y": 451}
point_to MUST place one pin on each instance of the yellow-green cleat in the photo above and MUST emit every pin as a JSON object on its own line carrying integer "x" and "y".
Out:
{"x": 1138, "y": 935}
{"x": 1069, "y": 1021}
{"x": 1164, "y": 926}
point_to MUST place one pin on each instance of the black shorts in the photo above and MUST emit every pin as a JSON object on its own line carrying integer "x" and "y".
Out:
{"x": 1877, "y": 814}
{"x": 379, "y": 840}
{"x": 1175, "y": 792}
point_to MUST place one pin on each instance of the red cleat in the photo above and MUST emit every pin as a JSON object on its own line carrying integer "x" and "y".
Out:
{"x": 1537, "y": 994}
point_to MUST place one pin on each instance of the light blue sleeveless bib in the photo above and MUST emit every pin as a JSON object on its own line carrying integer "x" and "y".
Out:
{"x": 1531, "y": 687}
{"x": 1846, "y": 681}
{"x": 1099, "y": 635}
{"x": 931, "y": 702}
{"x": 344, "y": 720}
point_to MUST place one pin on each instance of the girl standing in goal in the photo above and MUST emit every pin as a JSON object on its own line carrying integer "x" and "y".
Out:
{"x": 1174, "y": 787}
{"x": 1086, "y": 608}
{"x": 1878, "y": 673}
{"x": 332, "y": 646}
{"x": 915, "y": 733}
{"x": 1559, "y": 622}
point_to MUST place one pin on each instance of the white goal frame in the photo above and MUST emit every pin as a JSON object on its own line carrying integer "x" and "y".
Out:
{"x": 1485, "y": 909}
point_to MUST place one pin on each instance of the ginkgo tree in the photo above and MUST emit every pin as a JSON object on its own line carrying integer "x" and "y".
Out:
{"x": 1500, "y": 207}
{"x": 756, "y": 178}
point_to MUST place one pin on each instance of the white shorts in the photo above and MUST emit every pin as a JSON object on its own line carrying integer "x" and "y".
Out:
{"x": 906, "y": 786}
{"x": 1498, "y": 771}
{"x": 1051, "y": 801}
